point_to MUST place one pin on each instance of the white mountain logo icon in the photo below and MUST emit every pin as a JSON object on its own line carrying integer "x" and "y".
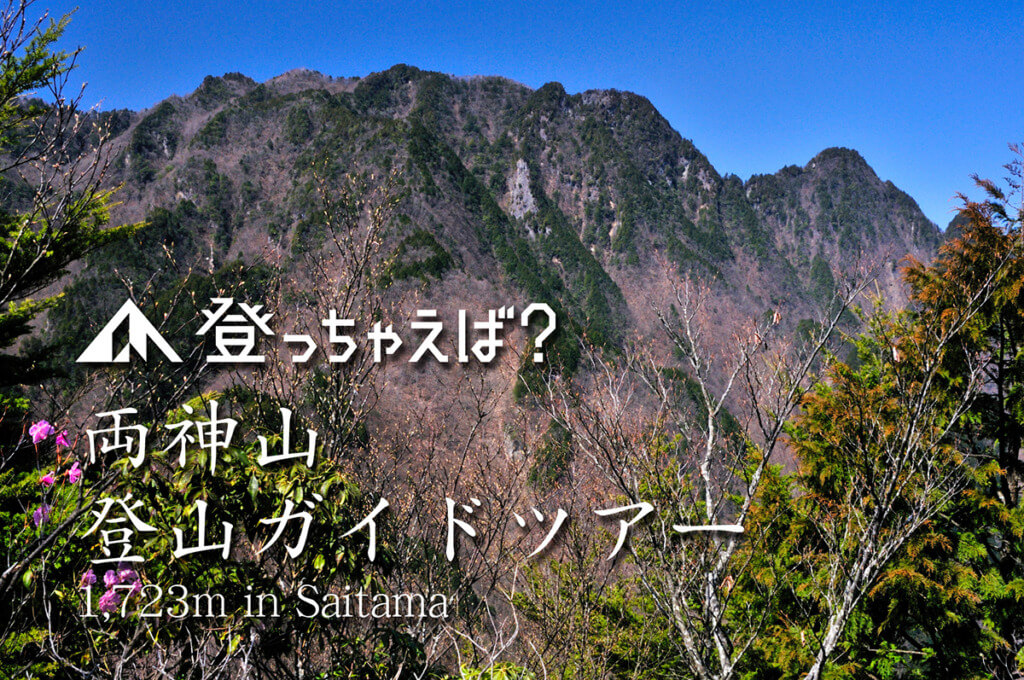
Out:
{"x": 140, "y": 331}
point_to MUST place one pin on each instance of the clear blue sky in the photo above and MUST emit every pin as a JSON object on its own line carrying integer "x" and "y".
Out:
{"x": 928, "y": 92}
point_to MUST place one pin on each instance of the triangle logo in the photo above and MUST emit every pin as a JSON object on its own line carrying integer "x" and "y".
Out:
{"x": 140, "y": 332}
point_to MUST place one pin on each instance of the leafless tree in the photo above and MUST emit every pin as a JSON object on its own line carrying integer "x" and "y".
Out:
{"x": 696, "y": 442}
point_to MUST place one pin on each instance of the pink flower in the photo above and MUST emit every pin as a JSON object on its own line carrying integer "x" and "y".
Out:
{"x": 62, "y": 440}
{"x": 126, "y": 575}
{"x": 47, "y": 479}
{"x": 41, "y": 515}
{"x": 40, "y": 431}
{"x": 110, "y": 578}
{"x": 136, "y": 589}
{"x": 75, "y": 473}
{"x": 88, "y": 579}
{"x": 109, "y": 601}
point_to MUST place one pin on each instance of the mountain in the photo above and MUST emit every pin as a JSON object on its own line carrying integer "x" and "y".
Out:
{"x": 590, "y": 201}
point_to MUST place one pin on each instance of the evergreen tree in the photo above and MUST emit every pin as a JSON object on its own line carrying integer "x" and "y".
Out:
{"x": 957, "y": 590}
{"x": 53, "y": 209}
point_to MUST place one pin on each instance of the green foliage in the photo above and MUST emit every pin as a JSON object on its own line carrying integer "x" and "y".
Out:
{"x": 214, "y": 91}
{"x": 644, "y": 201}
{"x": 242, "y": 491}
{"x": 168, "y": 236}
{"x": 213, "y": 133}
{"x": 597, "y": 628}
{"x": 17, "y": 654}
{"x": 687, "y": 391}
{"x": 562, "y": 355}
{"x": 553, "y": 456}
{"x": 823, "y": 284}
{"x": 218, "y": 204}
{"x": 419, "y": 255}
{"x": 245, "y": 492}
{"x": 298, "y": 126}
{"x": 24, "y": 69}
{"x": 503, "y": 670}
{"x": 155, "y": 138}
{"x": 538, "y": 281}
{"x": 52, "y": 228}
{"x": 434, "y": 91}
{"x": 39, "y": 249}
{"x": 956, "y": 591}
{"x": 597, "y": 296}
{"x": 383, "y": 91}
{"x": 737, "y": 212}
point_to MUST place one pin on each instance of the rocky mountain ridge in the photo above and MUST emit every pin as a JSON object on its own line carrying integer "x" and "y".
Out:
{"x": 590, "y": 201}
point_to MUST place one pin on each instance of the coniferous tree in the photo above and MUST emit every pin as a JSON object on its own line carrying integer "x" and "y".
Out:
{"x": 53, "y": 208}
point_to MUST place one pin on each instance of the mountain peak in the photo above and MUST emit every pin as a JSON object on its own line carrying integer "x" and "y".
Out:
{"x": 217, "y": 90}
{"x": 836, "y": 156}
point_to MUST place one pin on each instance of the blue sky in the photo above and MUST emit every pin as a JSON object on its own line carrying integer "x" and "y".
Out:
{"x": 927, "y": 92}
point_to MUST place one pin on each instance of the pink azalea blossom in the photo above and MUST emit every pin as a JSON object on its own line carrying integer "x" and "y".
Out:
{"x": 41, "y": 515}
{"x": 40, "y": 431}
{"x": 136, "y": 589}
{"x": 75, "y": 473}
{"x": 47, "y": 479}
{"x": 110, "y": 578}
{"x": 126, "y": 575}
{"x": 88, "y": 579}
{"x": 62, "y": 440}
{"x": 109, "y": 601}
